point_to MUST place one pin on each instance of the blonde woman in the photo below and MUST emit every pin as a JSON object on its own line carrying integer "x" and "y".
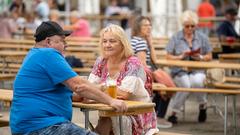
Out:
{"x": 118, "y": 63}
{"x": 189, "y": 44}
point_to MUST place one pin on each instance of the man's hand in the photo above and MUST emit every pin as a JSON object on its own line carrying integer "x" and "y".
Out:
{"x": 119, "y": 105}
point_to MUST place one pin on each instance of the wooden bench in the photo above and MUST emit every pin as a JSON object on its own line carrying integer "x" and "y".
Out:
{"x": 87, "y": 49}
{"x": 232, "y": 79}
{"x": 169, "y": 133}
{"x": 84, "y": 49}
{"x": 231, "y": 57}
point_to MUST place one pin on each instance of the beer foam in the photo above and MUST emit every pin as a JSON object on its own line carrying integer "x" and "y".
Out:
{"x": 111, "y": 82}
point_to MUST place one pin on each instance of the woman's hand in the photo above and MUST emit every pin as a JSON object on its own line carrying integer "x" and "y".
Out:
{"x": 149, "y": 40}
{"x": 197, "y": 57}
{"x": 184, "y": 54}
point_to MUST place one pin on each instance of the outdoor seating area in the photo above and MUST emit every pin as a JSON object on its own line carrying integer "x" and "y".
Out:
{"x": 120, "y": 67}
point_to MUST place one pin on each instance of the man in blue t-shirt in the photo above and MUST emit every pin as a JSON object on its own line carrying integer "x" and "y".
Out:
{"x": 42, "y": 100}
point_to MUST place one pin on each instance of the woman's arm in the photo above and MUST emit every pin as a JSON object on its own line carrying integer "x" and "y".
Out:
{"x": 152, "y": 49}
{"x": 142, "y": 56}
{"x": 73, "y": 27}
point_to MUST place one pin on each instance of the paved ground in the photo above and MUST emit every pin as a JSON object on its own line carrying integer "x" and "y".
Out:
{"x": 213, "y": 126}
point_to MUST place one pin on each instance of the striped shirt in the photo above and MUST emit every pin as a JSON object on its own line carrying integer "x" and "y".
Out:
{"x": 138, "y": 45}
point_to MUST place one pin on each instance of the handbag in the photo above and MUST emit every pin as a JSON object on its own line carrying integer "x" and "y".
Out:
{"x": 214, "y": 75}
{"x": 163, "y": 77}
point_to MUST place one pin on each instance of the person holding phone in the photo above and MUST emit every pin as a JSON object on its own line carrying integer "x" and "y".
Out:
{"x": 192, "y": 45}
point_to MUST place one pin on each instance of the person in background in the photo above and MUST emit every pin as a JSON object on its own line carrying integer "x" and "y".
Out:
{"x": 19, "y": 6}
{"x": 55, "y": 17}
{"x": 142, "y": 45}
{"x": 32, "y": 22}
{"x": 8, "y": 25}
{"x": 205, "y": 10}
{"x": 180, "y": 47}
{"x": 118, "y": 63}
{"x": 131, "y": 20}
{"x": 112, "y": 10}
{"x": 43, "y": 87}
{"x": 126, "y": 9}
{"x": 79, "y": 26}
{"x": 42, "y": 9}
{"x": 226, "y": 31}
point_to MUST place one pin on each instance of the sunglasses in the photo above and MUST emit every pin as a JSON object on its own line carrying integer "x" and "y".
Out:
{"x": 188, "y": 26}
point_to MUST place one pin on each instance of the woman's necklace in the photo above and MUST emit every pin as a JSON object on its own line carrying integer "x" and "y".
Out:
{"x": 115, "y": 76}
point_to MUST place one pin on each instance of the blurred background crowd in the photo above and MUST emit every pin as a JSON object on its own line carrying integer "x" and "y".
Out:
{"x": 23, "y": 16}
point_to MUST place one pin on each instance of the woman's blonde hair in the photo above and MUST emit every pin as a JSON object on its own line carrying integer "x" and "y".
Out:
{"x": 119, "y": 33}
{"x": 189, "y": 15}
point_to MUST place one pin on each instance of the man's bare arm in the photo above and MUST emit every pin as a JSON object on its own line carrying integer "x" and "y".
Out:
{"x": 88, "y": 90}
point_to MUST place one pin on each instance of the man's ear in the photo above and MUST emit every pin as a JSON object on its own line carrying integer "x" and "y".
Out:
{"x": 48, "y": 42}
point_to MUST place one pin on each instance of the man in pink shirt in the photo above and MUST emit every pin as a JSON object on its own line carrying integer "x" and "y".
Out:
{"x": 79, "y": 26}
{"x": 205, "y": 9}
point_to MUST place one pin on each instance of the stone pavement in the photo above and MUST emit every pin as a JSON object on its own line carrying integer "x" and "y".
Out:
{"x": 213, "y": 125}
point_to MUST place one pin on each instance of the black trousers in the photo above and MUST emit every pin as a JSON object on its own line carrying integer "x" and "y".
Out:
{"x": 161, "y": 105}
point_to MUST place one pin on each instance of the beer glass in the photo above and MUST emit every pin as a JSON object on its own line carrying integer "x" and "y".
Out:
{"x": 112, "y": 88}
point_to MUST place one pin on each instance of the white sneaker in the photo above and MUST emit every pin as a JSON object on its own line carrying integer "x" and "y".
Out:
{"x": 1, "y": 115}
{"x": 162, "y": 123}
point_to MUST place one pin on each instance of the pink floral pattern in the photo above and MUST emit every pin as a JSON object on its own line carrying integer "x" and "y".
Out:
{"x": 140, "y": 123}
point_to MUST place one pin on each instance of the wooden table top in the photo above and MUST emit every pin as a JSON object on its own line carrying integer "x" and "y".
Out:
{"x": 158, "y": 87}
{"x": 198, "y": 64}
{"x": 230, "y": 56}
{"x": 103, "y": 107}
{"x": 134, "y": 107}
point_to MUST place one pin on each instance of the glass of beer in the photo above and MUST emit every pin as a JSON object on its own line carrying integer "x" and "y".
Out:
{"x": 112, "y": 88}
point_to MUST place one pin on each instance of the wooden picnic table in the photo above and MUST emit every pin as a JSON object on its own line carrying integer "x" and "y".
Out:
{"x": 197, "y": 64}
{"x": 206, "y": 65}
{"x": 134, "y": 107}
{"x": 225, "y": 92}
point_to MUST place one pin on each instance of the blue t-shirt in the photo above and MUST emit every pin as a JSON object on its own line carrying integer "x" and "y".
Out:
{"x": 40, "y": 99}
